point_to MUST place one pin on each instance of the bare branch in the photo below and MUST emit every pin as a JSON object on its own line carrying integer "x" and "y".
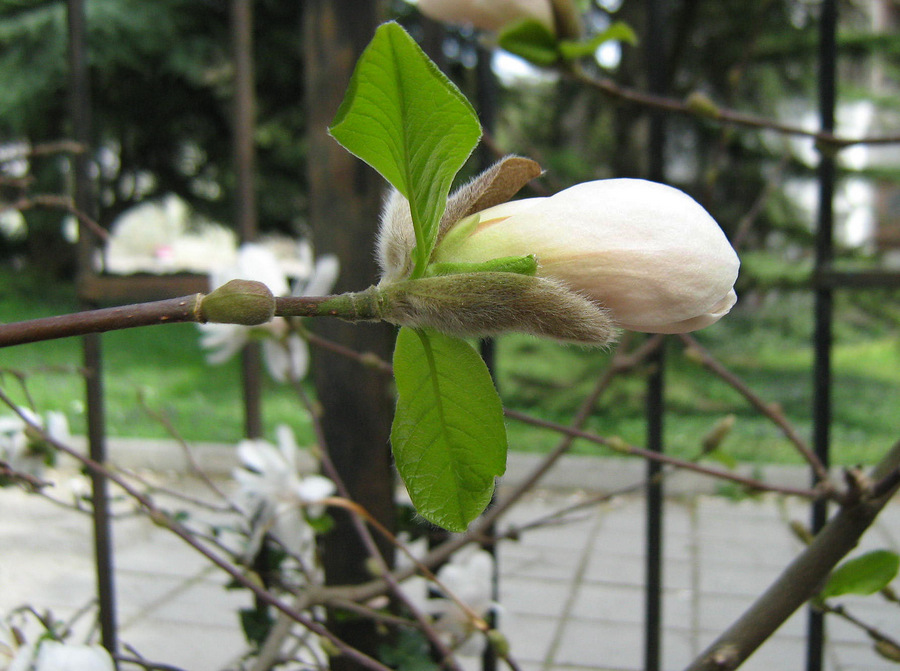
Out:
{"x": 721, "y": 115}
{"x": 801, "y": 580}
{"x": 173, "y": 310}
{"x": 696, "y": 350}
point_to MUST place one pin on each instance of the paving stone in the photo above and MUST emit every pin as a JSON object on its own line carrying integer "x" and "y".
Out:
{"x": 520, "y": 560}
{"x": 571, "y": 594}
{"x": 744, "y": 579}
{"x": 138, "y": 593}
{"x": 195, "y": 647}
{"x": 529, "y": 636}
{"x": 192, "y": 604}
{"x": 543, "y": 597}
{"x": 573, "y": 535}
{"x": 625, "y": 604}
{"x": 45, "y": 580}
{"x": 605, "y": 566}
{"x": 600, "y": 644}
{"x": 143, "y": 547}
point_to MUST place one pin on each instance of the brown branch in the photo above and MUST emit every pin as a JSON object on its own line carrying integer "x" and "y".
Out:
{"x": 624, "y": 448}
{"x": 721, "y": 115}
{"x": 801, "y": 580}
{"x": 873, "y": 632}
{"x": 482, "y": 528}
{"x": 173, "y": 310}
{"x": 46, "y": 148}
{"x": 368, "y": 359}
{"x": 697, "y": 351}
{"x": 59, "y": 203}
{"x": 621, "y": 363}
{"x": 365, "y": 535}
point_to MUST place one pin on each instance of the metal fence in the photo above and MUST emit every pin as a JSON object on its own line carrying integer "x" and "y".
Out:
{"x": 826, "y": 281}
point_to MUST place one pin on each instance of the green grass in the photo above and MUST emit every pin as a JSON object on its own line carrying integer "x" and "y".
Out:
{"x": 767, "y": 346}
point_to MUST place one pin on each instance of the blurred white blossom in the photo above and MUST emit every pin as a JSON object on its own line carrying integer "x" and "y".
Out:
{"x": 469, "y": 577}
{"x": 284, "y": 352}
{"x": 164, "y": 236}
{"x": 22, "y": 448}
{"x": 49, "y": 655}
{"x": 274, "y": 493}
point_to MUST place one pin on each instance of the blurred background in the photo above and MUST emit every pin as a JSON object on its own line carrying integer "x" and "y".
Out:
{"x": 163, "y": 83}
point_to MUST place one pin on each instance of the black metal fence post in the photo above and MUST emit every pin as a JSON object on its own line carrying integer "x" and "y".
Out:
{"x": 823, "y": 307}
{"x": 80, "y": 113}
{"x": 245, "y": 190}
{"x": 655, "y": 400}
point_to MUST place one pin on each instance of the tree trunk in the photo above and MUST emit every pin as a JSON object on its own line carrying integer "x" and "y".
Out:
{"x": 344, "y": 202}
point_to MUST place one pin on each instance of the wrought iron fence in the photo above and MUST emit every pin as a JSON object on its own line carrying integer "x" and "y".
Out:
{"x": 826, "y": 281}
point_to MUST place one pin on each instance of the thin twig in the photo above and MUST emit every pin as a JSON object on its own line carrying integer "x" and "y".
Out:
{"x": 633, "y": 450}
{"x": 712, "y": 364}
{"x": 874, "y": 633}
{"x": 721, "y": 115}
{"x": 55, "y": 202}
{"x": 166, "y": 423}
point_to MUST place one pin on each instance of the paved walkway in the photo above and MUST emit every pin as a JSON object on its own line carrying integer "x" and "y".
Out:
{"x": 571, "y": 593}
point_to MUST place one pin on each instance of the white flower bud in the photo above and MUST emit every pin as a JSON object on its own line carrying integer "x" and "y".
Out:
{"x": 488, "y": 14}
{"x": 647, "y": 252}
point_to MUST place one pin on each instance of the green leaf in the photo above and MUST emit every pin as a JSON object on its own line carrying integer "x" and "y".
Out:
{"x": 448, "y": 435}
{"x": 866, "y": 574}
{"x": 403, "y": 117}
{"x": 256, "y": 623}
{"x": 531, "y": 40}
{"x": 622, "y": 32}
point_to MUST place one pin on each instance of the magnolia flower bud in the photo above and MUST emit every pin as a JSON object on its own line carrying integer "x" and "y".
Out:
{"x": 239, "y": 302}
{"x": 647, "y": 252}
{"x": 488, "y": 14}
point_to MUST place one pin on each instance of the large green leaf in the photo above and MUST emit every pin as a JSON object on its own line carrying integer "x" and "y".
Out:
{"x": 866, "y": 574}
{"x": 448, "y": 436}
{"x": 403, "y": 117}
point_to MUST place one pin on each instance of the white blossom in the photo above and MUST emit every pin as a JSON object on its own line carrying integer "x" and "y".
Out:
{"x": 646, "y": 252}
{"x": 51, "y": 655}
{"x": 273, "y": 491}
{"x": 21, "y": 448}
{"x": 469, "y": 576}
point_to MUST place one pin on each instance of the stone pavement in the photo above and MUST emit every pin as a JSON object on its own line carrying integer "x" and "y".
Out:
{"x": 571, "y": 593}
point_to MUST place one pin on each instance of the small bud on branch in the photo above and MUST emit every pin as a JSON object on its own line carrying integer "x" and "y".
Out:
{"x": 242, "y": 302}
